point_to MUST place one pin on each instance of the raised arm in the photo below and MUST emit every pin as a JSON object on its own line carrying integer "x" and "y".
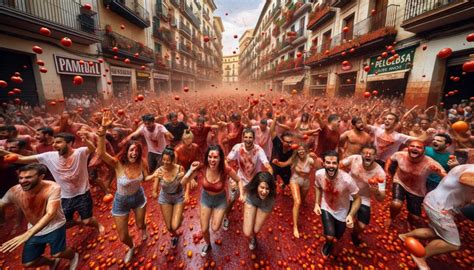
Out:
{"x": 21, "y": 159}
{"x": 101, "y": 152}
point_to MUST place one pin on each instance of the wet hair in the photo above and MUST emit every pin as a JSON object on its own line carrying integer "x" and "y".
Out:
{"x": 446, "y": 137}
{"x": 201, "y": 120}
{"x": 46, "y": 131}
{"x": 122, "y": 156}
{"x": 333, "y": 117}
{"x": 68, "y": 137}
{"x": 252, "y": 186}
{"x": 397, "y": 119}
{"x": 169, "y": 151}
{"x": 286, "y": 134}
{"x": 187, "y": 134}
{"x": 172, "y": 115}
{"x": 264, "y": 122}
{"x": 215, "y": 147}
{"x": 369, "y": 146}
{"x": 21, "y": 142}
{"x": 39, "y": 168}
{"x": 148, "y": 118}
{"x": 305, "y": 116}
{"x": 248, "y": 130}
{"x": 331, "y": 153}
{"x": 235, "y": 117}
{"x": 355, "y": 119}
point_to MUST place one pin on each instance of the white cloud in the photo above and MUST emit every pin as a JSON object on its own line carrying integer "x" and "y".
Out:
{"x": 236, "y": 24}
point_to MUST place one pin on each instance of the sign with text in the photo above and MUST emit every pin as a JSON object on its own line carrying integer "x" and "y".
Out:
{"x": 120, "y": 71}
{"x": 384, "y": 65}
{"x": 143, "y": 75}
{"x": 72, "y": 66}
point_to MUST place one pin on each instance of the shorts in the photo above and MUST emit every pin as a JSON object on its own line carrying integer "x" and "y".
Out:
{"x": 264, "y": 205}
{"x": 332, "y": 226}
{"x": 363, "y": 214}
{"x": 81, "y": 203}
{"x": 284, "y": 173}
{"x": 154, "y": 161}
{"x": 124, "y": 203}
{"x": 302, "y": 182}
{"x": 443, "y": 225}
{"x": 381, "y": 163}
{"x": 35, "y": 246}
{"x": 413, "y": 202}
{"x": 167, "y": 198}
{"x": 214, "y": 201}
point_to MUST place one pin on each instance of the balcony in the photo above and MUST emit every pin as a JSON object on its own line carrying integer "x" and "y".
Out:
{"x": 368, "y": 35}
{"x": 340, "y": 3}
{"x": 321, "y": 15}
{"x": 173, "y": 22}
{"x": 130, "y": 10}
{"x": 63, "y": 18}
{"x": 188, "y": 12}
{"x": 161, "y": 63}
{"x": 127, "y": 48}
{"x": 175, "y": 3}
{"x": 205, "y": 14}
{"x": 423, "y": 16}
{"x": 197, "y": 40}
{"x": 161, "y": 12}
{"x": 165, "y": 36}
{"x": 181, "y": 68}
{"x": 299, "y": 38}
{"x": 187, "y": 49}
{"x": 185, "y": 30}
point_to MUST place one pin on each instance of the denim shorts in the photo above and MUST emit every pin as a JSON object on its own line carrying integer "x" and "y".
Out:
{"x": 264, "y": 205}
{"x": 213, "y": 201}
{"x": 124, "y": 203}
{"x": 166, "y": 198}
{"x": 35, "y": 246}
{"x": 81, "y": 203}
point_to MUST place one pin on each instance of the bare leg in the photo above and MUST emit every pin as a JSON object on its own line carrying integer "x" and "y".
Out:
{"x": 260, "y": 218}
{"x": 92, "y": 222}
{"x": 167, "y": 212}
{"x": 295, "y": 192}
{"x": 177, "y": 216}
{"x": 122, "y": 229}
{"x": 395, "y": 208}
{"x": 249, "y": 220}
{"x": 140, "y": 221}
{"x": 205, "y": 216}
{"x": 217, "y": 216}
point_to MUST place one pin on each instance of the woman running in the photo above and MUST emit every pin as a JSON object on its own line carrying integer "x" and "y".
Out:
{"x": 213, "y": 174}
{"x": 301, "y": 164}
{"x": 130, "y": 171}
{"x": 260, "y": 198}
{"x": 171, "y": 197}
{"x": 186, "y": 153}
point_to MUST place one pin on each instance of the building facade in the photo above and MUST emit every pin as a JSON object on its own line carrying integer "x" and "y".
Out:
{"x": 345, "y": 48}
{"x": 119, "y": 48}
{"x": 230, "y": 69}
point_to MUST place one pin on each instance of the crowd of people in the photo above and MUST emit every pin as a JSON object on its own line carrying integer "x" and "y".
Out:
{"x": 235, "y": 147}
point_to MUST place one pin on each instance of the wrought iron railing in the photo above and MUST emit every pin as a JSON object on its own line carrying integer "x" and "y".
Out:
{"x": 414, "y": 8}
{"x": 133, "y": 6}
{"x": 126, "y": 45}
{"x": 185, "y": 29}
{"x": 62, "y": 12}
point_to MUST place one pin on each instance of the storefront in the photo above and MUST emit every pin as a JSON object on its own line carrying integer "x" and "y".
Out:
{"x": 347, "y": 84}
{"x": 389, "y": 77}
{"x": 89, "y": 70}
{"x": 161, "y": 82}
{"x": 318, "y": 83}
{"x": 143, "y": 81}
{"x": 121, "y": 79}
{"x": 456, "y": 81}
{"x": 293, "y": 82}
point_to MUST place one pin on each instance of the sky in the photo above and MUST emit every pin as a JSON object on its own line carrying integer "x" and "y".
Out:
{"x": 242, "y": 15}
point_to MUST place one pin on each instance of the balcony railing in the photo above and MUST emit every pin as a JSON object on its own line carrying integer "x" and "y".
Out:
{"x": 161, "y": 63}
{"x": 206, "y": 15}
{"x": 185, "y": 29}
{"x": 165, "y": 35}
{"x": 322, "y": 14}
{"x": 189, "y": 13}
{"x": 379, "y": 27}
{"x": 62, "y": 16}
{"x": 175, "y": 3}
{"x": 127, "y": 48}
{"x": 340, "y": 3}
{"x": 161, "y": 11}
{"x": 423, "y": 16}
{"x": 187, "y": 50}
{"x": 130, "y": 10}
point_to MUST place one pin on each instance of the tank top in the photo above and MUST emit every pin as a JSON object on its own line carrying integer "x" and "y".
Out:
{"x": 171, "y": 187}
{"x": 127, "y": 186}
{"x": 214, "y": 187}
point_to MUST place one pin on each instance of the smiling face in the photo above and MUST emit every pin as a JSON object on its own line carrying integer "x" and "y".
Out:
{"x": 359, "y": 125}
{"x": 149, "y": 125}
{"x": 389, "y": 121}
{"x": 416, "y": 150}
{"x": 248, "y": 140}
{"x": 60, "y": 145}
{"x": 28, "y": 179}
{"x": 166, "y": 160}
{"x": 301, "y": 151}
{"x": 133, "y": 153}
{"x": 213, "y": 158}
{"x": 368, "y": 157}
{"x": 263, "y": 190}
{"x": 331, "y": 165}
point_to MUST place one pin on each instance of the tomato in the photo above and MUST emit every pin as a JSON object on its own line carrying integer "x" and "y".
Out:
{"x": 66, "y": 42}
{"x": 206, "y": 38}
{"x": 367, "y": 94}
{"x": 294, "y": 146}
{"x": 45, "y": 31}
{"x": 445, "y": 53}
{"x": 186, "y": 89}
{"x": 375, "y": 92}
{"x": 367, "y": 68}
{"x": 43, "y": 70}
{"x": 126, "y": 61}
{"x": 345, "y": 29}
{"x": 415, "y": 247}
{"x": 78, "y": 80}
{"x": 140, "y": 97}
{"x": 37, "y": 49}
{"x": 470, "y": 37}
{"x": 460, "y": 127}
{"x": 176, "y": 98}
{"x": 10, "y": 158}
{"x": 87, "y": 6}
{"x": 3, "y": 84}
{"x": 108, "y": 198}
{"x": 468, "y": 66}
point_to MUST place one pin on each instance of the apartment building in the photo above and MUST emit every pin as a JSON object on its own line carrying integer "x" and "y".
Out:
{"x": 230, "y": 69}
{"x": 344, "y": 48}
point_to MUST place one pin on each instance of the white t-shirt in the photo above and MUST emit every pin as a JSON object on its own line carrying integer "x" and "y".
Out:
{"x": 388, "y": 143}
{"x": 336, "y": 193}
{"x": 33, "y": 205}
{"x": 263, "y": 139}
{"x": 450, "y": 193}
{"x": 250, "y": 162}
{"x": 155, "y": 140}
{"x": 70, "y": 173}
{"x": 361, "y": 176}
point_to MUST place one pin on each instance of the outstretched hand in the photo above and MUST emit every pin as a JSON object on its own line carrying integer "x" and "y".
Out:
{"x": 107, "y": 119}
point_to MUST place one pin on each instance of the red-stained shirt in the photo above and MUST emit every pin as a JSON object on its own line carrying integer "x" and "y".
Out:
{"x": 186, "y": 156}
{"x": 327, "y": 140}
{"x": 42, "y": 148}
{"x": 200, "y": 136}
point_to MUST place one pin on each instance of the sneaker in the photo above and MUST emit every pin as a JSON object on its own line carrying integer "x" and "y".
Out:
{"x": 253, "y": 243}
{"x": 225, "y": 224}
{"x": 355, "y": 239}
{"x": 326, "y": 249}
{"x": 205, "y": 250}
{"x": 74, "y": 262}
{"x": 174, "y": 241}
{"x": 129, "y": 255}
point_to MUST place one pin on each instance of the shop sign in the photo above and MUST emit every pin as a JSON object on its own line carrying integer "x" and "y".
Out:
{"x": 71, "y": 66}
{"x": 158, "y": 76}
{"x": 403, "y": 62}
{"x": 143, "y": 74}
{"x": 120, "y": 71}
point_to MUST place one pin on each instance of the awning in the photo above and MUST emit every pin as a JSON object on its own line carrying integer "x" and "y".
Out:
{"x": 292, "y": 80}
{"x": 395, "y": 75}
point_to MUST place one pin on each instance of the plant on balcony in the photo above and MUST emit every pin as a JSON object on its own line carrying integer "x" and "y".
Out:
{"x": 317, "y": 14}
{"x": 276, "y": 31}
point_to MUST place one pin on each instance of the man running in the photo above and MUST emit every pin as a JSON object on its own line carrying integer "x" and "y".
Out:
{"x": 351, "y": 141}
{"x": 69, "y": 168}
{"x": 409, "y": 170}
{"x": 370, "y": 179}
{"x": 334, "y": 189}
{"x": 454, "y": 191}
{"x": 438, "y": 151}
{"x": 250, "y": 158}
{"x": 40, "y": 202}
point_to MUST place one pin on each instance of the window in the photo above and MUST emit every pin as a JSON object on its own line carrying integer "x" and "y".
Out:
{"x": 158, "y": 48}
{"x": 326, "y": 41}
{"x": 349, "y": 22}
